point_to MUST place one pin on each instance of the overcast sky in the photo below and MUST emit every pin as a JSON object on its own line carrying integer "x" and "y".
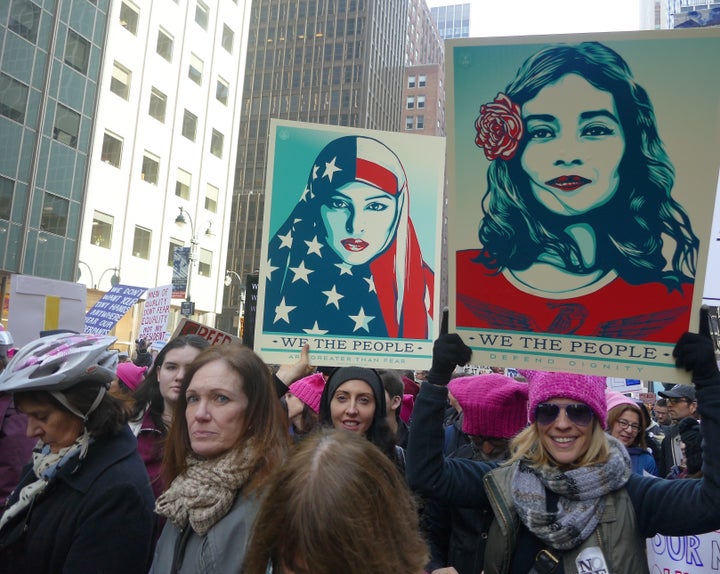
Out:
{"x": 526, "y": 17}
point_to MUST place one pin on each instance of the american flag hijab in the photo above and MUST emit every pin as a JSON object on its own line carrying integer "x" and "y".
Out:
{"x": 310, "y": 289}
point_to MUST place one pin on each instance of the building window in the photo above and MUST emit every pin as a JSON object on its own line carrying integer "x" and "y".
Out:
{"x": 420, "y": 102}
{"x": 54, "y": 214}
{"x": 201, "y": 15}
{"x": 205, "y": 263}
{"x": 411, "y": 81}
{"x": 150, "y": 168}
{"x": 189, "y": 127}
{"x": 174, "y": 243}
{"x": 77, "y": 51}
{"x": 158, "y": 104}
{"x": 24, "y": 19}
{"x": 67, "y": 126}
{"x": 111, "y": 149}
{"x": 211, "y": 198}
{"x": 129, "y": 15}
{"x": 141, "y": 242}
{"x": 183, "y": 183}
{"x": 216, "y": 143}
{"x": 222, "y": 90}
{"x": 410, "y": 102}
{"x": 420, "y": 122}
{"x": 7, "y": 187}
{"x": 422, "y": 81}
{"x": 409, "y": 122}
{"x": 120, "y": 82}
{"x": 164, "y": 45}
{"x": 195, "y": 71}
{"x": 13, "y": 98}
{"x": 228, "y": 38}
{"x": 102, "y": 227}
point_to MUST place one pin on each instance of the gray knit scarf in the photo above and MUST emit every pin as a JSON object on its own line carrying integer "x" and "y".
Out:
{"x": 581, "y": 493}
{"x": 206, "y": 491}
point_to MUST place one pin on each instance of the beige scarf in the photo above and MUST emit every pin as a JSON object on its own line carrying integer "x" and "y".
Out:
{"x": 206, "y": 491}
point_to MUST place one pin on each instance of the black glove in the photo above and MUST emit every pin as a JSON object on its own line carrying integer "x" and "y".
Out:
{"x": 695, "y": 353}
{"x": 448, "y": 352}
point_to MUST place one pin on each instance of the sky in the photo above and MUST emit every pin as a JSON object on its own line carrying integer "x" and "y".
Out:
{"x": 531, "y": 17}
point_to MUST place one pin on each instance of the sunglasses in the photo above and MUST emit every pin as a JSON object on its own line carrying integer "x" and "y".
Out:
{"x": 679, "y": 400}
{"x": 578, "y": 413}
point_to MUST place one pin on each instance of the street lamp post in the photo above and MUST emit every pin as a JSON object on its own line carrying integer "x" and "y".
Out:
{"x": 180, "y": 221}
{"x": 92, "y": 279}
{"x": 241, "y": 302}
{"x": 114, "y": 280}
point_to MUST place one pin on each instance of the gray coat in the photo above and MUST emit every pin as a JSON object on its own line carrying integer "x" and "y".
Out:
{"x": 220, "y": 551}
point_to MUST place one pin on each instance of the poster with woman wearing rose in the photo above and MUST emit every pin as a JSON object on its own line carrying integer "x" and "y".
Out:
{"x": 580, "y": 241}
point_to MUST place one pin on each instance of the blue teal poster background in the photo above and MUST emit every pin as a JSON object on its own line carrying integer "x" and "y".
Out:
{"x": 675, "y": 69}
{"x": 352, "y": 246}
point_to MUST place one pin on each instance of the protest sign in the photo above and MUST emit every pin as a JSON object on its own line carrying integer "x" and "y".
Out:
{"x": 111, "y": 307}
{"x": 155, "y": 313}
{"x": 212, "y": 335}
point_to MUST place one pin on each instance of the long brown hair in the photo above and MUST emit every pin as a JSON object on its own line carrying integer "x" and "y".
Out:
{"x": 264, "y": 420}
{"x": 329, "y": 505}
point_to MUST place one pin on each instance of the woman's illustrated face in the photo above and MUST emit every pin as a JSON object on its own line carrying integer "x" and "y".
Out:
{"x": 575, "y": 144}
{"x": 562, "y": 439}
{"x": 55, "y": 427}
{"x": 352, "y": 406}
{"x": 215, "y": 412}
{"x": 626, "y": 427}
{"x": 359, "y": 221}
{"x": 170, "y": 374}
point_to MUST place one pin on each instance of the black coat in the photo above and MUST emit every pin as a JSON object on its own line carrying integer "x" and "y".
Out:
{"x": 96, "y": 520}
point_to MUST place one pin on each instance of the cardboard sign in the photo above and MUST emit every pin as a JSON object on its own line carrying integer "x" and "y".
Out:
{"x": 684, "y": 554}
{"x": 111, "y": 307}
{"x": 210, "y": 334}
{"x": 155, "y": 313}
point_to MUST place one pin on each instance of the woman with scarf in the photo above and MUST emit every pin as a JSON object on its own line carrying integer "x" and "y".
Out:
{"x": 353, "y": 400}
{"x": 567, "y": 501}
{"x": 349, "y": 249}
{"x": 229, "y": 433}
{"x": 86, "y": 482}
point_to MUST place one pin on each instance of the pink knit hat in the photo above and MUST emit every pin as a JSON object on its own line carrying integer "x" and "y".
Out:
{"x": 309, "y": 390}
{"x": 493, "y": 405}
{"x": 613, "y": 399}
{"x": 406, "y": 407}
{"x": 588, "y": 389}
{"x": 130, "y": 374}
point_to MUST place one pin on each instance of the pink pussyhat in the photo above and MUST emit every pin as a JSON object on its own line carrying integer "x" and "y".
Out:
{"x": 309, "y": 390}
{"x": 493, "y": 405}
{"x": 588, "y": 389}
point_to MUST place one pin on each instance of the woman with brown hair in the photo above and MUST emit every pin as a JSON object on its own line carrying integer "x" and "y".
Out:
{"x": 228, "y": 435}
{"x": 326, "y": 508}
{"x": 627, "y": 421}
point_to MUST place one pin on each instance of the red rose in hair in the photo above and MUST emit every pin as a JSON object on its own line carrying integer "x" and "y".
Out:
{"x": 499, "y": 128}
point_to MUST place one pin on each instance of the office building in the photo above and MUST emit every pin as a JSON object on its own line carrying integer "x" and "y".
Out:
{"x": 50, "y": 55}
{"x": 452, "y": 18}
{"x": 336, "y": 62}
{"x": 164, "y": 146}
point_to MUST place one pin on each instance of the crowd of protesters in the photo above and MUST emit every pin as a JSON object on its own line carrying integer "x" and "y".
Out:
{"x": 209, "y": 460}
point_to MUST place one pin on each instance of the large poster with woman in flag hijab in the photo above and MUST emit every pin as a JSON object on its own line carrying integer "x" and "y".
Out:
{"x": 352, "y": 246}
{"x": 582, "y": 174}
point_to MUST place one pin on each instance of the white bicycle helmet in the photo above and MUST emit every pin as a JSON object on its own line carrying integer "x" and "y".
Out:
{"x": 60, "y": 361}
{"x": 6, "y": 343}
